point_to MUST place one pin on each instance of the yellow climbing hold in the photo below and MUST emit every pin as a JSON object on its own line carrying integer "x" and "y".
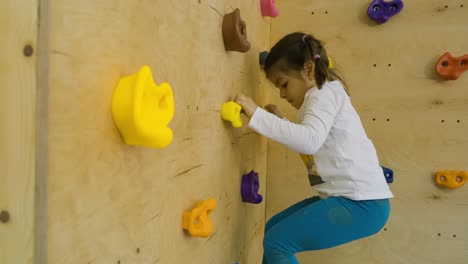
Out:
{"x": 231, "y": 111}
{"x": 330, "y": 63}
{"x": 451, "y": 179}
{"x": 142, "y": 110}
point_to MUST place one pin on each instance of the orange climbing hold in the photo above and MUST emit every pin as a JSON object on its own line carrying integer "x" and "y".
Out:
{"x": 197, "y": 221}
{"x": 451, "y": 179}
{"x": 450, "y": 67}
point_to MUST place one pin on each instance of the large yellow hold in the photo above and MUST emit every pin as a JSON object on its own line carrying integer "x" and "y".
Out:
{"x": 142, "y": 110}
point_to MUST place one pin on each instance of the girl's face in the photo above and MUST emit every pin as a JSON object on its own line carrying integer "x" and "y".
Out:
{"x": 293, "y": 85}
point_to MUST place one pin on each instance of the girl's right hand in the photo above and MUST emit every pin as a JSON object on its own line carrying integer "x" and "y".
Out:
{"x": 248, "y": 105}
{"x": 274, "y": 110}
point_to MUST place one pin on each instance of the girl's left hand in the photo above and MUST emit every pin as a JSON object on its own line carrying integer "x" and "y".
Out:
{"x": 248, "y": 105}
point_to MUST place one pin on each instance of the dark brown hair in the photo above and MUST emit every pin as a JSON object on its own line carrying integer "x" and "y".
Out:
{"x": 292, "y": 52}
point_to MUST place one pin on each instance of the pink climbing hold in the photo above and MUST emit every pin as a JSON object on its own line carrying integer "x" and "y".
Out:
{"x": 268, "y": 8}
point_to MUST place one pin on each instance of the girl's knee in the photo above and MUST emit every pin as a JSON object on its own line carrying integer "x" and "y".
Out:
{"x": 274, "y": 244}
{"x": 270, "y": 247}
{"x": 270, "y": 242}
{"x": 275, "y": 253}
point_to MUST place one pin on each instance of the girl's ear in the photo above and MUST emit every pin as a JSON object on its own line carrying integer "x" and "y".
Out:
{"x": 309, "y": 68}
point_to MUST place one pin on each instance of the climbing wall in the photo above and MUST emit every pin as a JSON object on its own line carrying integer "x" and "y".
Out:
{"x": 417, "y": 121}
{"x": 113, "y": 203}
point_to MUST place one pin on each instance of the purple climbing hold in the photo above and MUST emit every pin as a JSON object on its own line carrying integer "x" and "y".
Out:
{"x": 381, "y": 11}
{"x": 249, "y": 188}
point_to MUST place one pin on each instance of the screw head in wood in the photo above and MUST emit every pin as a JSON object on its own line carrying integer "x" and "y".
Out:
{"x": 4, "y": 217}
{"x": 28, "y": 50}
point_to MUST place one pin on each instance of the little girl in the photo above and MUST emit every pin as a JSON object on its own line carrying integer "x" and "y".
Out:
{"x": 354, "y": 196}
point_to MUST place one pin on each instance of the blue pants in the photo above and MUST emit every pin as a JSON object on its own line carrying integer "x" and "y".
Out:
{"x": 315, "y": 223}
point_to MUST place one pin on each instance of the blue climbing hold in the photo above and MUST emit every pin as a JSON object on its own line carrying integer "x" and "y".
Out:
{"x": 388, "y": 173}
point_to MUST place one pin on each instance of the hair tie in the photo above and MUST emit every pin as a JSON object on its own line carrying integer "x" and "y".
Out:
{"x": 316, "y": 56}
{"x": 304, "y": 38}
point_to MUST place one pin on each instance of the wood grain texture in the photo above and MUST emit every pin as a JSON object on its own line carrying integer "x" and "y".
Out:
{"x": 417, "y": 121}
{"x": 113, "y": 203}
{"x": 18, "y": 29}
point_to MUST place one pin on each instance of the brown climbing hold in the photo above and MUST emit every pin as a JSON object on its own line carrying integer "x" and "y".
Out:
{"x": 4, "y": 217}
{"x": 235, "y": 32}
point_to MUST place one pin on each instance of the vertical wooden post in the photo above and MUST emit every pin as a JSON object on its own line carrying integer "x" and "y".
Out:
{"x": 18, "y": 36}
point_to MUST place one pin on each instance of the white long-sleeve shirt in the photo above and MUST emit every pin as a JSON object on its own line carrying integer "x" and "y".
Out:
{"x": 330, "y": 129}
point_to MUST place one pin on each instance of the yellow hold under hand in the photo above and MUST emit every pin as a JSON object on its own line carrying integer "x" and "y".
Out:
{"x": 231, "y": 111}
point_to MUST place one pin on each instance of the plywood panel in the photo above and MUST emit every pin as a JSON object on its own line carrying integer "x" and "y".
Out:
{"x": 18, "y": 29}
{"x": 416, "y": 120}
{"x": 113, "y": 203}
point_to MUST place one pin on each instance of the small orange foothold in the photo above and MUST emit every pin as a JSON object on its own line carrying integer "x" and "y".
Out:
{"x": 197, "y": 221}
{"x": 451, "y": 179}
{"x": 450, "y": 67}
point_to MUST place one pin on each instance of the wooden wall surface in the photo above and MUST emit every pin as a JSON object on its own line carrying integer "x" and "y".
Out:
{"x": 113, "y": 203}
{"x": 417, "y": 121}
{"x": 107, "y": 202}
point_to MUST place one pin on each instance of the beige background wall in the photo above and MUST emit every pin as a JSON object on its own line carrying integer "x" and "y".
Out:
{"x": 420, "y": 122}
